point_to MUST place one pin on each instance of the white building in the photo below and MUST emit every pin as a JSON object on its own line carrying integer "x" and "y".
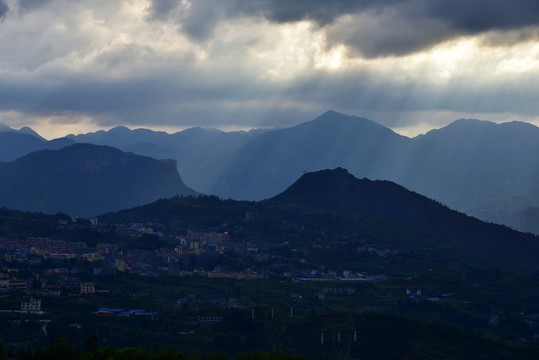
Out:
{"x": 30, "y": 304}
{"x": 87, "y": 288}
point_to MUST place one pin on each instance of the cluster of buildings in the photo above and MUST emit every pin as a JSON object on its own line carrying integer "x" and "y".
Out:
{"x": 193, "y": 250}
{"x": 183, "y": 255}
{"x": 34, "y": 249}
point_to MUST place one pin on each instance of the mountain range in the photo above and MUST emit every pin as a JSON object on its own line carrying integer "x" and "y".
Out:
{"x": 86, "y": 179}
{"x": 17, "y": 143}
{"x": 484, "y": 169}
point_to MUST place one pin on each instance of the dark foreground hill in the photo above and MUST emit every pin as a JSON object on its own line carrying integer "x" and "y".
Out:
{"x": 338, "y": 190}
{"x": 334, "y": 201}
{"x": 86, "y": 180}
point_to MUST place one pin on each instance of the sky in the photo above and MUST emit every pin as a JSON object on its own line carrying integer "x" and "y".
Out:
{"x": 73, "y": 66}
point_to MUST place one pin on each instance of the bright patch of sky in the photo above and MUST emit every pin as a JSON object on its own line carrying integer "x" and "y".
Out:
{"x": 76, "y": 66}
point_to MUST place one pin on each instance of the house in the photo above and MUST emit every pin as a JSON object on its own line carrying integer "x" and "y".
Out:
{"x": 30, "y": 304}
{"x": 87, "y": 288}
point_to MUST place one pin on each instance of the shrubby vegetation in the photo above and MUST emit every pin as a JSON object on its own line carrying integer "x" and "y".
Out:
{"x": 59, "y": 348}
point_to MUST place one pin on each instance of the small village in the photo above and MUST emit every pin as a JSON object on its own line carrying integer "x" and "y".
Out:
{"x": 38, "y": 275}
{"x": 39, "y": 267}
{"x": 187, "y": 255}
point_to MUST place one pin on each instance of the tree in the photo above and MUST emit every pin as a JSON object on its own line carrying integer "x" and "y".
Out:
{"x": 61, "y": 349}
{"x": 91, "y": 344}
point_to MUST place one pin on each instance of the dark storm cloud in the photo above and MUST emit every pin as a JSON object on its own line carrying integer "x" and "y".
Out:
{"x": 169, "y": 98}
{"x": 29, "y": 5}
{"x": 199, "y": 19}
{"x": 322, "y": 12}
{"x": 191, "y": 99}
{"x": 161, "y": 9}
{"x": 4, "y": 9}
{"x": 484, "y": 15}
{"x": 373, "y": 28}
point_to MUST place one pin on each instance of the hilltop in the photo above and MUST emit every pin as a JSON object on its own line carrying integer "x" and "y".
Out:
{"x": 86, "y": 180}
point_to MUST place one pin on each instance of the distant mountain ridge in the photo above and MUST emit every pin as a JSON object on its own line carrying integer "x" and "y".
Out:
{"x": 24, "y": 130}
{"x": 201, "y": 153}
{"x": 470, "y": 165}
{"x": 17, "y": 143}
{"x": 269, "y": 163}
{"x": 85, "y": 180}
{"x": 485, "y": 169}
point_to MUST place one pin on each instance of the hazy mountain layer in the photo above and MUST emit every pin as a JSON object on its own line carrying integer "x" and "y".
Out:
{"x": 479, "y": 167}
{"x": 269, "y": 163}
{"x": 85, "y": 180}
{"x": 14, "y": 144}
{"x": 24, "y": 130}
{"x": 484, "y": 169}
{"x": 201, "y": 154}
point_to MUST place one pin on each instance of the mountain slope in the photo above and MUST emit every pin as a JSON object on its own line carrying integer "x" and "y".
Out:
{"x": 339, "y": 190}
{"x": 14, "y": 144}
{"x": 269, "y": 163}
{"x": 470, "y": 161}
{"x": 85, "y": 180}
{"x": 24, "y": 130}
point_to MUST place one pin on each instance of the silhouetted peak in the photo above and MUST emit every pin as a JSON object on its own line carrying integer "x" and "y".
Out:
{"x": 197, "y": 131}
{"x": 327, "y": 177}
{"x": 337, "y": 184}
{"x": 119, "y": 129}
{"x": 332, "y": 112}
{"x": 333, "y": 120}
{"x": 29, "y": 131}
{"x": 332, "y": 115}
